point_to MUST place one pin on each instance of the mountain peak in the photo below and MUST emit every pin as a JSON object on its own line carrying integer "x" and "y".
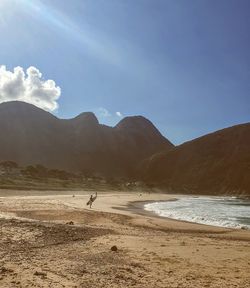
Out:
{"x": 135, "y": 122}
{"x": 88, "y": 118}
{"x": 17, "y": 105}
{"x": 141, "y": 125}
{"x": 23, "y": 109}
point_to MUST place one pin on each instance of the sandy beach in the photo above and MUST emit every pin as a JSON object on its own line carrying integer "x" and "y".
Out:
{"x": 52, "y": 239}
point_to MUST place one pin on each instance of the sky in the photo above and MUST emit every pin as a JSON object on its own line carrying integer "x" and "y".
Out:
{"x": 185, "y": 65}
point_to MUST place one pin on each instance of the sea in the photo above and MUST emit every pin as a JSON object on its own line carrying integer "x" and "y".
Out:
{"x": 231, "y": 212}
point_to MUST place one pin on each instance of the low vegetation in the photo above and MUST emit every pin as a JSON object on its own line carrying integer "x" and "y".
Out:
{"x": 38, "y": 177}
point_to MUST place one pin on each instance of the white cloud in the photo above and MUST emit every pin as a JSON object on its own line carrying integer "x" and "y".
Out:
{"x": 119, "y": 114}
{"x": 103, "y": 112}
{"x": 29, "y": 87}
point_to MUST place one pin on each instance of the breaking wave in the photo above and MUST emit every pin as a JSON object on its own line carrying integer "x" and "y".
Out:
{"x": 228, "y": 212}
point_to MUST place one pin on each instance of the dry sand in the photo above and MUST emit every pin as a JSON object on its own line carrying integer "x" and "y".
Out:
{"x": 38, "y": 248}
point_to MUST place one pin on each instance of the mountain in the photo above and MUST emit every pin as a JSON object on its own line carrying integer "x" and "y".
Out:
{"x": 29, "y": 135}
{"x": 213, "y": 164}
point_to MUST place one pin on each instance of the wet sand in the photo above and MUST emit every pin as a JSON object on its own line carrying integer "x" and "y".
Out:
{"x": 54, "y": 240}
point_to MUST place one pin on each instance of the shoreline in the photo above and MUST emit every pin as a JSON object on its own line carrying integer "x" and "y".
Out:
{"x": 127, "y": 207}
{"x": 138, "y": 207}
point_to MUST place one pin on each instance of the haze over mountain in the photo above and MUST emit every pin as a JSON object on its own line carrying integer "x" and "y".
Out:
{"x": 213, "y": 164}
{"x": 29, "y": 135}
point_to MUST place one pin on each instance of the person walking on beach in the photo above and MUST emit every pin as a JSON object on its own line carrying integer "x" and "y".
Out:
{"x": 92, "y": 199}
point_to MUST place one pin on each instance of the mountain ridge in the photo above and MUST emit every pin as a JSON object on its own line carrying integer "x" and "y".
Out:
{"x": 215, "y": 163}
{"x": 34, "y": 136}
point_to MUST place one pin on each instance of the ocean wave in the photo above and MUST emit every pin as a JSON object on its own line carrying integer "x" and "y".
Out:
{"x": 228, "y": 212}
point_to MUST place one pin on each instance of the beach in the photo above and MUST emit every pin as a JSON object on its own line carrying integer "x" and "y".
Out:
{"x": 52, "y": 239}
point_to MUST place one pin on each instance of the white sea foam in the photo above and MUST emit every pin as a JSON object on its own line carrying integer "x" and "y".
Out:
{"x": 217, "y": 211}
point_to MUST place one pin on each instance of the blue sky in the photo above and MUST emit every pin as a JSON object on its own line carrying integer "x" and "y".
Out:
{"x": 185, "y": 65}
